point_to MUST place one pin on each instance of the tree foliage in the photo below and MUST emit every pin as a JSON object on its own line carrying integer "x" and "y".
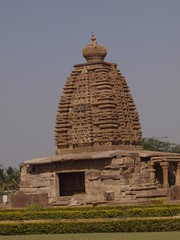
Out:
{"x": 161, "y": 145}
{"x": 9, "y": 179}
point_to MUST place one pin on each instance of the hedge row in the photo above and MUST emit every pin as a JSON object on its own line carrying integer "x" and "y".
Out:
{"x": 90, "y": 208}
{"x": 93, "y": 214}
{"x": 136, "y": 225}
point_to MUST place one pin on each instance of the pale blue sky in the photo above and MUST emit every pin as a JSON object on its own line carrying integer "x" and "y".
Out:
{"x": 41, "y": 40}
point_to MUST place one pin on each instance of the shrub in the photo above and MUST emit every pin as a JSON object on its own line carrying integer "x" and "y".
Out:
{"x": 35, "y": 207}
{"x": 58, "y": 227}
{"x": 91, "y": 214}
{"x": 92, "y": 208}
{"x": 157, "y": 201}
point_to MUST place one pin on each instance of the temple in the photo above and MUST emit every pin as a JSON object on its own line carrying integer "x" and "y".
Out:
{"x": 99, "y": 155}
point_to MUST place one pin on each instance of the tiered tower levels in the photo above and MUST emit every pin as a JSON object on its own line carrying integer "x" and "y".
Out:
{"x": 96, "y": 110}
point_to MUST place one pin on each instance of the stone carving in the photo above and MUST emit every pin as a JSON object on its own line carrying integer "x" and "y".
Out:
{"x": 96, "y": 110}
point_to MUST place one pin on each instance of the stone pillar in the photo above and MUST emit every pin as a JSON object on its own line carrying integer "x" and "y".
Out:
{"x": 165, "y": 174}
{"x": 178, "y": 175}
{"x": 152, "y": 173}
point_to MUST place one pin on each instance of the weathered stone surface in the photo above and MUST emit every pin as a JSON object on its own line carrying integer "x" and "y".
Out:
{"x": 118, "y": 161}
{"x": 74, "y": 202}
{"x": 124, "y": 188}
{"x": 174, "y": 193}
{"x": 130, "y": 170}
{"x": 144, "y": 175}
{"x": 115, "y": 167}
{"x": 108, "y": 182}
{"x": 22, "y": 200}
{"x": 128, "y": 160}
{"x": 37, "y": 184}
{"x": 93, "y": 175}
{"x": 26, "y": 184}
{"x": 114, "y": 177}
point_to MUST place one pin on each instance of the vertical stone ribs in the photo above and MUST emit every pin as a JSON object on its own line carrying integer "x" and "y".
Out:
{"x": 96, "y": 110}
{"x": 108, "y": 133}
{"x": 62, "y": 127}
{"x": 74, "y": 116}
{"x": 128, "y": 118}
{"x": 81, "y": 112}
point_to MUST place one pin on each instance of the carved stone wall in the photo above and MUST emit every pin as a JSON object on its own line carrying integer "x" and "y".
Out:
{"x": 96, "y": 110}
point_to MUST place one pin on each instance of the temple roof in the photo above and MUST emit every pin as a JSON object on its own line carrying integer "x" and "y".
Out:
{"x": 96, "y": 111}
{"x": 161, "y": 156}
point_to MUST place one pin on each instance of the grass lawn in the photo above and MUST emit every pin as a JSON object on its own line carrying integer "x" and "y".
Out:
{"x": 99, "y": 236}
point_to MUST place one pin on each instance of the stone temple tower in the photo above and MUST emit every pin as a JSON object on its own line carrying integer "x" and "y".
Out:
{"x": 96, "y": 111}
{"x": 99, "y": 156}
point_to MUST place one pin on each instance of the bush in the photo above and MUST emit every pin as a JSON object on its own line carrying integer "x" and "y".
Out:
{"x": 35, "y": 207}
{"x": 157, "y": 201}
{"x": 92, "y": 208}
{"x": 91, "y": 214}
{"x": 59, "y": 227}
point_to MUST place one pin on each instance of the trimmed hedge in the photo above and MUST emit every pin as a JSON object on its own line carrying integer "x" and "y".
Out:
{"x": 136, "y": 225}
{"x": 90, "y": 214}
{"x": 89, "y": 208}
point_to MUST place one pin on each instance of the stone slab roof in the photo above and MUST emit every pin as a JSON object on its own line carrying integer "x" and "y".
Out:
{"x": 100, "y": 155}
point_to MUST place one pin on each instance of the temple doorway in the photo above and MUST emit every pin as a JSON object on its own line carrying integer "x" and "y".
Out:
{"x": 71, "y": 183}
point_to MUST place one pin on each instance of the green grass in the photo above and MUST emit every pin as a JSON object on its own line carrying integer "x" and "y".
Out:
{"x": 99, "y": 236}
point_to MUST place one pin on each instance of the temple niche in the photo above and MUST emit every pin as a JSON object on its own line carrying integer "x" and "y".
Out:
{"x": 99, "y": 155}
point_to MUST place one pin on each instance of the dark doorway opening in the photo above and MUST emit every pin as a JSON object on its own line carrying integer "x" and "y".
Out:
{"x": 158, "y": 173}
{"x": 71, "y": 183}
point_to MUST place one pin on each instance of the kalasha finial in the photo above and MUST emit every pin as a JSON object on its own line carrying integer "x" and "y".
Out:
{"x": 94, "y": 52}
{"x": 93, "y": 40}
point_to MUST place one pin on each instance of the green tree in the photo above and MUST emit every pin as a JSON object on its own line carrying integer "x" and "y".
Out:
{"x": 9, "y": 179}
{"x": 2, "y": 180}
{"x": 161, "y": 145}
{"x": 12, "y": 179}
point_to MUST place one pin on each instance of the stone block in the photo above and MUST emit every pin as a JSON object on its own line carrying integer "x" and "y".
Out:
{"x": 26, "y": 184}
{"x": 137, "y": 170}
{"x": 129, "y": 193}
{"x": 93, "y": 175}
{"x": 95, "y": 188}
{"x": 113, "y": 167}
{"x": 144, "y": 166}
{"x": 128, "y": 160}
{"x": 23, "y": 200}
{"x": 108, "y": 182}
{"x": 174, "y": 193}
{"x": 74, "y": 202}
{"x": 114, "y": 177}
{"x": 130, "y": 170}
{"x": 123, "y": 181}
{"x": 47, "y": 175}
{"x": 38, "y": 184}
{"x": 144, "y": 175}
{"x": 117, "y": 161}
